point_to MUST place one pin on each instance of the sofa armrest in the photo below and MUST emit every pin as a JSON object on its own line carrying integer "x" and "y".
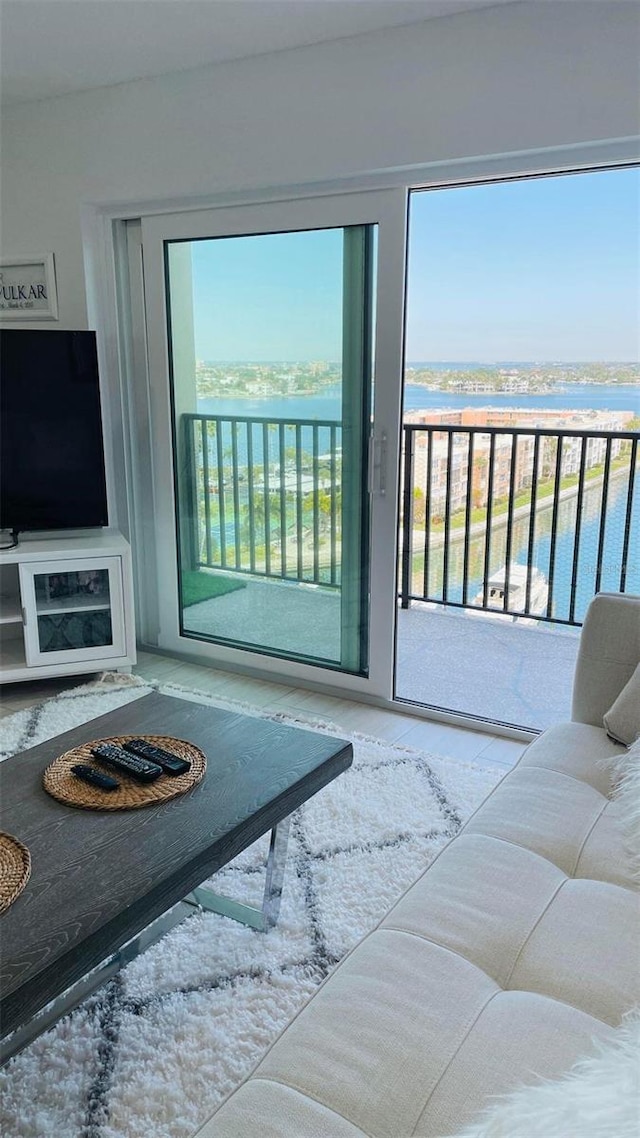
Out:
{"x": 608, "y": 655}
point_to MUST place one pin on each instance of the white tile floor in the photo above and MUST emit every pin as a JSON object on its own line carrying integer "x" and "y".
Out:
{"x": 396, "y": 727}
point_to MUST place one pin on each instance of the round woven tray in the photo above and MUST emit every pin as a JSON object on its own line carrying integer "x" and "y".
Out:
{"x": 60, "y": 783}
{"x": 15, "y": 869}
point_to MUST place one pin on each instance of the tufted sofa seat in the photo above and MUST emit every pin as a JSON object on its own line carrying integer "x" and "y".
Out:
{"x": 511, "y": 956}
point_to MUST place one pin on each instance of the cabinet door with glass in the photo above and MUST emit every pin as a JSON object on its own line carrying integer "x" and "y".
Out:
{"x": 73, "y": 610}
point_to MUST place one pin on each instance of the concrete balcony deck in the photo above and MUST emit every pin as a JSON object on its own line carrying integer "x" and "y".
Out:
{"x": 492, "y": 668}
{"x": 507, "y": 671}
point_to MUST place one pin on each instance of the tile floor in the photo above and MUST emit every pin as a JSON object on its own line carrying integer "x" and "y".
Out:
{"x": 395, "y": 726}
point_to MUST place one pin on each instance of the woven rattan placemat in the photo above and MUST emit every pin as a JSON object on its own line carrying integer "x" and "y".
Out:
{"x": 60, "y": 783}
{"x": 15, "y": 869}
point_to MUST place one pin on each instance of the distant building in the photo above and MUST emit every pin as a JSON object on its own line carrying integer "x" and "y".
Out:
{"x": 442, "y": 460}
{"x": 522, "y": 417}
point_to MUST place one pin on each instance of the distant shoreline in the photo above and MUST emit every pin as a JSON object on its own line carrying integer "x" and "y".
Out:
{"x": 444, "y": 391}
{"x": 556, "y": 390}
{"x": 525, "y": 382}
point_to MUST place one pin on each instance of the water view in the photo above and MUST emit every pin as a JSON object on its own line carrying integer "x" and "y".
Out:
{"x": 326, "y": 405}
{"x": 295, "y": 450}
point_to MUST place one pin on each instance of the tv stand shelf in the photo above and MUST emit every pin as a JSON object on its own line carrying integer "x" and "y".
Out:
{"x": 66, "y": 605}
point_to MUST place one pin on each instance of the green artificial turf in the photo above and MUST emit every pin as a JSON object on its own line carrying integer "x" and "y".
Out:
{"x": 203, "y": 586}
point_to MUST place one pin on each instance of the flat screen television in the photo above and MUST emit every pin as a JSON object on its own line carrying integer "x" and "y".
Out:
{"x": 52, "y": 473}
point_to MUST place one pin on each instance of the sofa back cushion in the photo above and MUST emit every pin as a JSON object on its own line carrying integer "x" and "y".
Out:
{"x": 608, "y": 655}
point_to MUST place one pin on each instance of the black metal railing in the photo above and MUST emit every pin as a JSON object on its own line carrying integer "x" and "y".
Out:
{"x": 522, "y": 522}
{"x": 528, "y": 523}
{"x": 266, "y": 496}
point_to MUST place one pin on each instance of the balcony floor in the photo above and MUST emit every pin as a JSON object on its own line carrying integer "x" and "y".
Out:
{"x": 505, "y": 671}
{"x": 281, "y": 615}
{"x": 479, "y": 665}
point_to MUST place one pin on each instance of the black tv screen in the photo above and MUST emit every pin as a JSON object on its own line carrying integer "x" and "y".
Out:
{"x": 52, "y": 473}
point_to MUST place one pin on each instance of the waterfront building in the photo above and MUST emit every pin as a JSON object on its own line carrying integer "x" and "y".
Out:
{"x": 536, "y": 417}
{"x": 438, "y": 465}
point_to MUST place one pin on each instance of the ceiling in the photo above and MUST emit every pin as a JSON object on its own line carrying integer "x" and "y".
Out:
{"x": 55, "y": 47}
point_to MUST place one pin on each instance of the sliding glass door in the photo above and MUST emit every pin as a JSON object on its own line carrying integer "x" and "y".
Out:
{"x": 261, "y": 329}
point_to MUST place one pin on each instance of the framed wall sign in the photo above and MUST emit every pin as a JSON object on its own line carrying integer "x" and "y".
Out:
{"x": 28, "y": 288}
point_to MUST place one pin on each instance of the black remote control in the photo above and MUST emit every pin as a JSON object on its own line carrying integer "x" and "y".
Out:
{"x": 170, "y": 763}
{"x": 96, "y": 778}
{"x": 115, "y": 756}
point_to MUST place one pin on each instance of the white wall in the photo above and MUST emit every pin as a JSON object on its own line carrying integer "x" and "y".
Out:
{"x": 526, "y": 76}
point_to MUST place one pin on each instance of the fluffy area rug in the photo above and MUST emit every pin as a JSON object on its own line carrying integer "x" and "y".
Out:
{"x": 156, "y": 1049}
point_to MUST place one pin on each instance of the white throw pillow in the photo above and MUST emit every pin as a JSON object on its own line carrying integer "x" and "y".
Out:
{"x": 622, "y": 721}
{"x": 598, "y": 1098}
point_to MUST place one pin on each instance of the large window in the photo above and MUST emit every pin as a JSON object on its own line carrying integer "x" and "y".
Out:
{"x": 505, "y": 432}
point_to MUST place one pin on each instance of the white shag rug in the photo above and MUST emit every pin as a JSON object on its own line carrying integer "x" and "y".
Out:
{"x": 155, "y": 1050}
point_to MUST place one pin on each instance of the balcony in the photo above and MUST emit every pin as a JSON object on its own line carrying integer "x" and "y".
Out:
{"x": 267, "y": 497}
{"x": 505, "y": 535}
{"x": 535, "y": 523}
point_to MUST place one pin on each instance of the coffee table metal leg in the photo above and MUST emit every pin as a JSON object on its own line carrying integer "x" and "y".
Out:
{"x": 265, "y": 917}
{"x": 262, "y": 919}
{"x": 10, "y": 1045}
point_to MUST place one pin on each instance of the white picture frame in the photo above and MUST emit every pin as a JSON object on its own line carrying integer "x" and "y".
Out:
{"x": 28, "y": 288}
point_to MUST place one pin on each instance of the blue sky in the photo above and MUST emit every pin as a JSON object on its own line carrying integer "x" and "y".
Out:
{"x": 272, "y": 297}
{"x": 541, "y": 269}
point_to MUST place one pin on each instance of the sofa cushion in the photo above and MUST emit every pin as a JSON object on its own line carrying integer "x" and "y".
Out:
{"x": 461, "y": 1046}
{"x": 575, "y": 749}
{"x": 516, "y": 1034}
{"x": 571, "y": 956}
{"x": 265, "y": 1109}
{"x": 598, "y": 1098}
{"x": 544, "y": 811}
{"x": 596, "y": 846}
{"x": 622, "y": 720}
{"x": 376, "y": 1038}
{"x": 527, "y": 925}
{"x": 480, "y": 898}
{"x": 604, "y": 855}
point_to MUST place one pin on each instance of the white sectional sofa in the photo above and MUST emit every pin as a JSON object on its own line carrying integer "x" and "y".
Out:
{"x": 514, "y": 954}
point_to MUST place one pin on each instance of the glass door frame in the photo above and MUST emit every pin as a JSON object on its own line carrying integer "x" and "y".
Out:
{"x": 387, "y": 210}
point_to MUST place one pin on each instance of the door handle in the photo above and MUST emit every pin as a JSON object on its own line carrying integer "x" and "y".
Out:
{"x": 378, "y": 464}
{"x": 382, "y": 465}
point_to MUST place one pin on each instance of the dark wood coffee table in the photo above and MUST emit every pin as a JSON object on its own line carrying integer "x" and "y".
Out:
{"x": 99, "y": 879}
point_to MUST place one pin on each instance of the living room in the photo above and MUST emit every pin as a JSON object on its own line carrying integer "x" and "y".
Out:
{"x": 291, "y": 119}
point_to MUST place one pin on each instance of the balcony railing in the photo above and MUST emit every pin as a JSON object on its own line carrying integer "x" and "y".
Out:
{"x": 266, "y": 496}
{"x": 519, "y": 522}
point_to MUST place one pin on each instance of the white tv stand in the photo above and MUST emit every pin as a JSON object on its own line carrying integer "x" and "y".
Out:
{"x": 66, "y": 605}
